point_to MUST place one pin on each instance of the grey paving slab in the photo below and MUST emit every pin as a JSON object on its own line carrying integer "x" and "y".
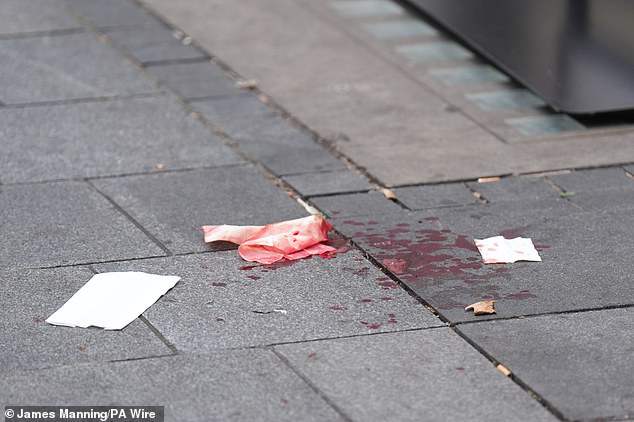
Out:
{"x": 593, "y": 180}
{"x": 222, "y": 301}
{"x": 371, "y": 203}
{"x": 65, "y": 223}
{"x": 435, "y": 196}
{"x": 506, "y": 99}
{"x": 150, "y": 44}
{"x": 580, "y": 362}
{"x": 195, "y": 80}
{"x": 111, "y": 12}
{"x": 329, "y": 182}
{"x": 173, "y": 206}
{"x": 65, "y": 67}
{"x": 516, "y": 189}
{"x": 429, "y": 374}
{"x": 468, "y": 74}
{"x": 31, "y": 296}
{"x": 434, "y": 254}
{"x": 267, "y": 136}
{"x": 237, "y": 385}
{"x": 366, "y": 8}
{"x": 105, "y": 138}
{"x": 534, "y": 126}
{"x": 434, "y": 51}
{"x": 400, "y": 29}
{"x": 20, "y": 16}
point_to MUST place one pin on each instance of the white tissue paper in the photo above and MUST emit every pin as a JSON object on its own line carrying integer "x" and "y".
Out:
{"x": 112, "y": 300}
{"x": 498, "y": 250}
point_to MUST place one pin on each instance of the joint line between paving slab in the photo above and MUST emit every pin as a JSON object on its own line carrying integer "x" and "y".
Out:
{"x": 330, "y": 20}
{"x": 38, "y": 34}
{"x": 131, "y": 219}
{"x": 167, "y": 62}
{"x": 552, "y": 313}
{"x": 312, "y": 386}
{"x": 83, "y": 100}
{"x": 158, "y": 334}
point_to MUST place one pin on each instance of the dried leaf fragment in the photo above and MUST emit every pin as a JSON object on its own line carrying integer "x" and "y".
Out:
{"x": 247, "y": 84}
{"x": 503, "y": 369}
{"x": 485, "y": 307}
{"x": 389, "y": 194}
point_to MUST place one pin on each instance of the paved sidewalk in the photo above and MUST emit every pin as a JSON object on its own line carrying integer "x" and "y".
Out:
{"x": 121, "y": 136}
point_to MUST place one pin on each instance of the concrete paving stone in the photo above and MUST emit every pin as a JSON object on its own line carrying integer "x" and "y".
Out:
{"x": 629, "y": 169}
{"x": 267, "y": 136}
{"x": 111, "y": 12}
{"x": 534, "y": 126}
{"x": 65, "y": 223}
{"x": 149, "y": 44}
{"x": 64, "y": 67}
{"x": 434, "y": 51}
{"x": 428, "y": 374}
{"x": 435, "y": 196}
{"x": 366, "y": 8}
{"x": 31, "y": 296}
{"x": 329, "y": 182}
{"x": 593, "y": 180}
{"x": 434, "y": 254}
{"x": 195, "y": 80}
{"x": 105, "y": 138}
{"x": 400, "y": 29}
{"x": 580, "y": 362}
{"x": 222, "y": 301}
{"x": 20, "y": 16}
{"x": 504, "y": 100}
{"x": 237, "y": 385}
{"x": 468, "y": 74}
{"x": 507, "y": 189}
{"x": 371, "y": 203}
{"x": 173, "y": 206}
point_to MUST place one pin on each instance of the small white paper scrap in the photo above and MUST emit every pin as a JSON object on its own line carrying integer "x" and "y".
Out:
{"x": 498, "y": 250}
{"x": 112, "y": 300}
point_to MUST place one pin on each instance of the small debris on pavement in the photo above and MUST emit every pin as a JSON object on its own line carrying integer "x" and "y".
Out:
{"x": 273, "y": 311}
{"x": 112, "y": 300}
{"x": 503, "y": 369}
{"x": 293, "y": 239}
{"x": 247, "y": 84}
{"x": 486, "y": 307}
{"x": 159, "y": 166}
{"x": 389, "y": 194}
{"x": 488, "y": 179}
{"x": 568, "y": 194}
{"x": 498, "y": 250}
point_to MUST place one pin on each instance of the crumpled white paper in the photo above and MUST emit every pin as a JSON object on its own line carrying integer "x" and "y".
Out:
{"x": 498, "y": 250}
{"x": 112, "y": 300}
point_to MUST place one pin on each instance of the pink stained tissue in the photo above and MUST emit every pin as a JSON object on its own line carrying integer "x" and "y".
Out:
{"x": 293, "y": 239}
{"x": 498, "y": 250}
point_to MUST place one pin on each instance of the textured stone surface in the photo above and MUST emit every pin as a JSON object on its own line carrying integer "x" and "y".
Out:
{"x": 434, "y": 51}
{"x": 65, "y": 67}
{"x": 581, "y": 362}
{"x": 310, "y": 184}
{"x": 431, "y": 374}
{"x": 593, "y": 180}
{"x": 65, "y": 223}
{"x": 468, "y": 74}
{"x": 195, "y": 80}
{"x": 435, "y": 196}
{"x": 516, "y": 189}
{"x": 31, "y": 296}
{"x": 267, "y": 136}
{"x": 366, "y": 8}
{"x": 237, "y": 385}
{"x": 19, "y": 16}
{"x": 111, "y": 12}
{"x": 150, "y": 44}
{"x": 507, "y": 99}
{"x": 400, "y": 29}
{"x": 105, "y": 138}
{"x": 216, "y": 303}
{"x": 371, "y": 203}
{"x": 173, "y": 206}
{"x": 434, "y": 254}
